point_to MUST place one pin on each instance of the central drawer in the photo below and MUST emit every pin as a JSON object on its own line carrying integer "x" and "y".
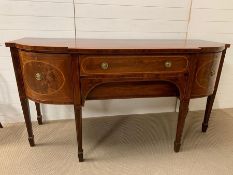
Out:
{"x": 90, "y": 65}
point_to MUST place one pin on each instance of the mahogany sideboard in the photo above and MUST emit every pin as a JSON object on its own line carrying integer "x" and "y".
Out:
{"x": 68, "y": 71}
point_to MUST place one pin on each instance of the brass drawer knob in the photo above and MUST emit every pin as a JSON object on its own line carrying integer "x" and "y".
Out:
{"x": 212, "y": 73}
{"x": 168, "y": 64}
{"x": 104, "y": 65}
{"x": 38, "y": 76}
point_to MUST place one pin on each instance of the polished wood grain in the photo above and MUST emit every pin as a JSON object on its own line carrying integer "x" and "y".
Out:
{"x": 133, "y": 90}
{"x": 131, "y": 64}
{"x": 66, "y": 71}
{"x": 114, "y": 46}
{"x": 53, "y": 84}
{"x": 90, "y": 85}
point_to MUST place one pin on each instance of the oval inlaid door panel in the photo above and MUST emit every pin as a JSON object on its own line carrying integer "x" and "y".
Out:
{"x": 206, "y": 73}
{"x": 42, "y": 77}
{"x": 209, "y": 70}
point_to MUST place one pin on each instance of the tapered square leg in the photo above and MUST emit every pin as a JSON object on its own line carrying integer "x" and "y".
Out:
{"x": 1, "y": 125}
{"x": 22, "y": 94}
{"x": 27, "y": 118}
{"x": 38, "y": 111}
{"x": 78, "y": 122}
{"x": 209, "y": 105}
{"x": 80, "y": 156}
{"x": 31, "y": 141}
{"x": 183, "y": 110}
{"x": 177, "y": 147}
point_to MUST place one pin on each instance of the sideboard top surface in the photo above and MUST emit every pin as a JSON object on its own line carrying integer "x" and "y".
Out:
{"x": 115, "y": 45}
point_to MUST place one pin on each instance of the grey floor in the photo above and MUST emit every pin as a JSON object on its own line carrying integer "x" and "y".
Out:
{"x": 132, "y": 144}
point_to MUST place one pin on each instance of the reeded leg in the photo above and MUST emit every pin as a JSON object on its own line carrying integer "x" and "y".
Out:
{"x": 39, "y": 116}
{"x": 209, "y": 105}
{"x": 1, "y": 125}
{"x": 27, "y": 118}
{"x": 183, "y": 110}
{"x": 78, "y": 122}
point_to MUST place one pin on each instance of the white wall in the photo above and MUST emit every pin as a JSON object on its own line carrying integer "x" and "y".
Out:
{"x": 20, "y": 18}
{"x": 213, "y": 20}
{"x": 210, "y": 19}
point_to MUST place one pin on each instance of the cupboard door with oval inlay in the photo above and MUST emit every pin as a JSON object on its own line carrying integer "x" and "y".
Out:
{"x": 207, "y": 69}
{"x": 47, "y": 77}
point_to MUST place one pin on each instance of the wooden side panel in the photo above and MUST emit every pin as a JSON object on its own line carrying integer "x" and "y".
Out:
{"x": 207, "y": 68}
{"x": 47, "y": 77}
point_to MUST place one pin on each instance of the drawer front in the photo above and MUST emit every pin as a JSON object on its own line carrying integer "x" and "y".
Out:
{"x": 132, "y": 64}
{"x": 47, "y": 77}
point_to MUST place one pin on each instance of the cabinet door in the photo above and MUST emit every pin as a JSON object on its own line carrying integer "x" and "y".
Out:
{"x": 47, "y": 77}
{"x": 207, "y": 68}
